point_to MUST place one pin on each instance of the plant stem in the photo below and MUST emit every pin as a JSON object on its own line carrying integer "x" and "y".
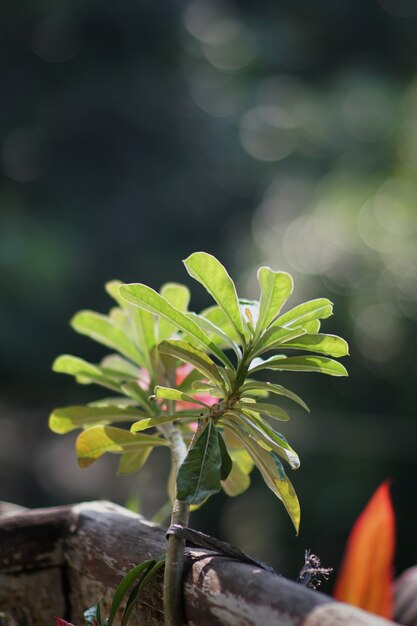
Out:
{"x": 174, "y": 565}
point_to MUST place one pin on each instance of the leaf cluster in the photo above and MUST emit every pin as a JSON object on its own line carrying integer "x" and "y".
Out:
{"x": 225, "y": 346}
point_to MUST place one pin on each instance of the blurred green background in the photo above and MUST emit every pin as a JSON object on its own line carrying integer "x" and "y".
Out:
{"x": 132, "y": 134}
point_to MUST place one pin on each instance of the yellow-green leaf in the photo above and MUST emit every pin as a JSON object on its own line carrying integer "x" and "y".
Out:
{"x": 118, "y": 364}
{"x": 151, "y": 422}
{"x": 320, "y": 308}
{"x": 216, "y": 334}
{"x": 253, "y": 385}
{"x": 146, "y": 298}
{"x": 276, "y": 288}
{"x": 257, "y": 428}
{"x": 330, "y": 345}
{"x": 85, "y": 372}
{"x": 119, "y": 401}
{"x": 238, "y": 480}
{"x": 133, "y": 461}
{"x": 167, "y": 393}
{"x": 274, "y": 476}
{"x": 136, "y": 392}
{"x": 141, "y": 322}
{"x": 64, "y": 420}
{"x": 96, "y": 441}
{"x": 218, "y": 317}
{"x": 272, "y": 410}
{"x": 319, "y": 364}
{"x": 208, "y": 271}
{"x": 275, "y": 337}
{"x": 120, "y": 318}
{"x": 100, "y": 328}
{"x": 312, "y": 327}
{"x": 201, "y": 361}
{"x": 179, "y": 296}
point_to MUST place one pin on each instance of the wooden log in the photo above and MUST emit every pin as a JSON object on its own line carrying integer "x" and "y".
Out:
{"x": 85, "y": 549}
{"x": 406, "y": 597}
{"x": 31, "y": 566}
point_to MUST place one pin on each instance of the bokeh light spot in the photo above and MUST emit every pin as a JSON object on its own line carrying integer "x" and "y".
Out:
{"x": 262, "y": 140}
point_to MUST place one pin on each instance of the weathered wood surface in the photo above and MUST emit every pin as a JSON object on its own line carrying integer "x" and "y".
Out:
{"x": 59, "y": 561}
{"x": 406, "y": 597}
{"x": 31, "y": 565}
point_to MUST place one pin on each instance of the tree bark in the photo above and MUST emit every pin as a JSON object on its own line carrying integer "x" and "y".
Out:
{"x": 59, "y": 561}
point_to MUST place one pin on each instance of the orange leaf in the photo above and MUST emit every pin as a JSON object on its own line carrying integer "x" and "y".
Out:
{"x": 365, "y": 579}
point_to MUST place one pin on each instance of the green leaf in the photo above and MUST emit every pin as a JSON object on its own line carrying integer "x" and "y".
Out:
{"x": 120, "y": 318}
{"x": 66, "y": 419}
{"x": 179, "y": 296}
{"x": 320, "y": 308}
{"x": 330, "y": 345}
{"x": 117, "y": 363}
{"x": 227, "y": 463}
{"x": 119, "y": 401}
{"x": 238, "y": 480}
{"x": 148, "y": 299}
{"x": 279, "y": 443}
{"x": 140, "y": 395}
{"x": 275, "y": 337}
{"x": 218, "y": 317}
{"x": 142, "y": 323}
{"x": 249, "y": 310}
{"x": 167, "y": 393}
{"x": 274, "y": 476}
{"x": 255, "y": 394}
{"x": 185, "y": 352}
{"x": 187, "y": 383}
{"x": 133, "y": 461}
{"x": 276, "y": 288}
{"x": 96, "y": 441}
{"x": 85, "y": 373}
{"x": 269, "y": 409}
{"x": 208, "y": 271}
{"x": 271, "y": 388}
{"x": 215, "y": 333}
{"x": 199, "y": 475}
{"x": 201, "y": 387}
{"x": 319, "y": 364}
{"x": 254, "y": 426}
{"x": 151, "y": 422}
{"x": 124, "y": 586}
{"x": 232, "y": 442}
{"x": 102, "y": 329}
{"x": 74, "y": 366}
{"x": 148, "y": 574}
{"x": 312, "y": 327}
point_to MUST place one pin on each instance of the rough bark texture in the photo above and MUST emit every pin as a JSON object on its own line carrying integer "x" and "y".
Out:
{"x": 60, "y": 561}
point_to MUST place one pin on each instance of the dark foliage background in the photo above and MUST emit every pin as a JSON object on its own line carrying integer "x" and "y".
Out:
{"x": 132, "y": 134}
